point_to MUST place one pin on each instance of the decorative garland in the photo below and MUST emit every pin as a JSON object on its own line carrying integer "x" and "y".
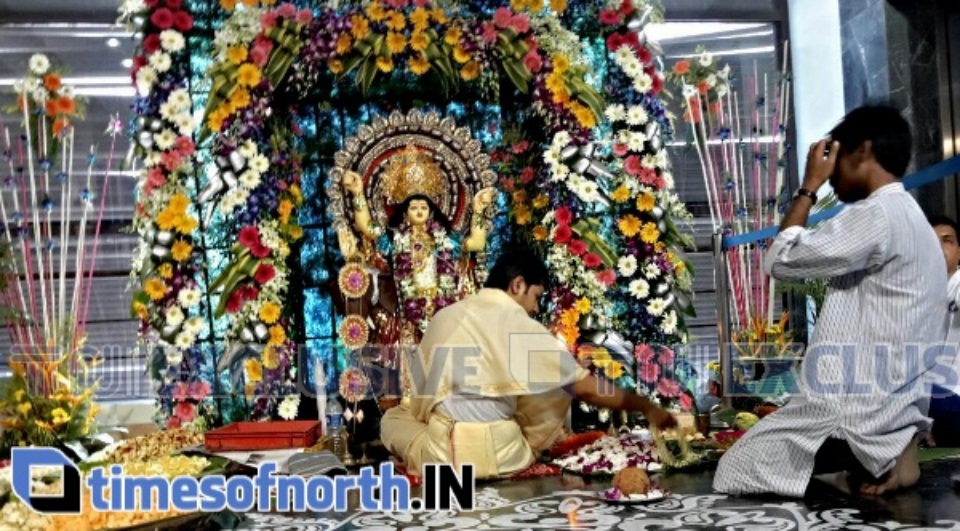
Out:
{"x": 406, "y": 265}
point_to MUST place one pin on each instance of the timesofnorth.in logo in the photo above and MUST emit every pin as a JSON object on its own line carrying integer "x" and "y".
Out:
{"x": 24, "y": 459}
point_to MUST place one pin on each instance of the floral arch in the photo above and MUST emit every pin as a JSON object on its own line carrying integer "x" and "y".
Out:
{"x": 576, "y": 138}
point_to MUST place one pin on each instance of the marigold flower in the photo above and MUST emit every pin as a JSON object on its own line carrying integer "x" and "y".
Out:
{"x": 682, "y": 67}
{"x": 359, "y": 27}
{"x": 385, "y": 64}
{"x": 418, "y": 64}
{"x": 277, "y": 335}
{"x": 396, "y": 42}
{"x": 181, "y": 251}
{"x": 452, "y": 36}
{"x": 621, "y": 194}
{"x": 344, "y": 43}
{"x": 540, "y": 233}
{"x": 51, "y": 82}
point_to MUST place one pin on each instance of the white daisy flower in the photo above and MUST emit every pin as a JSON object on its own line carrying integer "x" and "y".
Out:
{"x": 194, "y": 325}
{"x": 250, "y": 179}
{"x": 623, "y": 54}
{"x": 174, "y": 316}
{"x": 171, "y": 40}
{"x": 169, "y": 111}
{"x": 146, "y": 78}
{"x": 669, "y": 325}
{"x": 40, "y": 95}
{"x": 289, "y": 407}
{"x": 627, "y": 266}
{"x": 689, "y": 91}
{"x": 643, "y": 83}
{"x": 706, "y": 59}
{"x": 639, "y": 288}
{"x": 624, "y": 136}
{"x": 649, "y": 161}
{"x": 724, "y": 73}
{"x": 662, "y": 160}
{"x": 184, "y": 340}
{"x": 712, "y": 80}
{"x": 656, "y": 306}
{"x": 722, "y": 90}
{"x": 66, "y": 91}
{"x": 185, "y": 124}
{"x": 667, "y": 179}
{"x": 18, "y": 86}
{"x": 248, "y": 149}
{"x": 227, "y": 205}
{"x": 260, "y": 164}
{"x": 180, "y": 98}
{"x": 636, "y": 141}
{"x": 165, "y": 139}
{"x": 651, "y": 271}
{"x": 39, "y": 64}
{"x": 560, "y": 173}
{"x": 637, "y": 115}
{"x": 560, "y": 140}
{"x": 188, "y": 298}
{"x": 589, "y": 191}
{"x": 152, "y": 159}
{"x": 633, "y": 69}
{"x": 615, "y": 112}
{"x": 161, "y": 62}
{"x": 551, "y": 157}
{"x": 174, "y": 356}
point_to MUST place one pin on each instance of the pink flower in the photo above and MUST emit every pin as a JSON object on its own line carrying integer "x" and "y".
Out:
{"x": 185, "y": 146}
{"x": 171, "y": 160}
{"x": 181, "y": 392}
{"x": 397, "y": 4}
{"x": 668, "y": 388}
{"x": 185, "y": 411}
{"x": 489, "y": 33}
{"x": 592, "y": 261}
{"x": 287, "y": 10}
{"x": 162, "y": 18}
{"x": 632, "y": 165}
{"x": 533, "y": 62}
{"x": 643, "y": 353}
{"x": 520, "y": 23}
{"x": 650, "y": 372}
{"x": 502, "y": 17}
{"x": 269, "y": 19}
{"x": 520, "y": 147}
{"x": 620, "y": 149}
{"x": 420, "y": 3}
{"x": 666, "y": 356}
{"x": 156, "y": 177}
{"x": 607, "y": 277}
{"x": 527, "y": 175}
{"x": 578, "y": 247}
{"x": 259, "y": 56}
{"x": 199, "y": 390}
{"x": 648, "y": 176}
{"x": 304, "y": 16}
{"x": 609, "y": 17}
{"x": 686, "y": 402}
{"x": 183, "y": 21}
{"x": 564, "y": 216}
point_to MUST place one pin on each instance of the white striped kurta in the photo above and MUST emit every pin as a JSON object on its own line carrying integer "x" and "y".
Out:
{"x": 887, "y": 291}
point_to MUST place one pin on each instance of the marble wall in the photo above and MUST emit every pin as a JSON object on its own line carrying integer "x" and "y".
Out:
{"x": 889, "y": 55}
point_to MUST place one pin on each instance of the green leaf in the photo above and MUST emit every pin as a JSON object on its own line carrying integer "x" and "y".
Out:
{"x": 367, "y": 74}
{"x": 517, "y": 73}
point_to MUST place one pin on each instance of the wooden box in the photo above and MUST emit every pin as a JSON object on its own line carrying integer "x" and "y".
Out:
{"x": 274, "y": 435}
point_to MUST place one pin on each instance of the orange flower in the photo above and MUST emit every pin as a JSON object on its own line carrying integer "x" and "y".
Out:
{"x": 343, "y": 44}
{"x": 703, "y": 87}
{"x": 629, "y": 225}
{"x": 359, "y": 27}
{"x": 420, "y": 18}
{"x": 376, "y": 12}
{"x": 682, "y": 67}
{"x": 470, "y": 71}
{"x": 249, "y": 3}
{"x": 519, "y": 196}
{"x": 277, "y": 335}
{"x": 51, "y": 82}
{"x": 397, "y": 22}
{"x": 385, "y": 64}
{"x": 540, "y": 233}
{"x": 50, "y": 106}
{"x": 229, "y": 5}
{"x": 558, "y": 5}
{"x": 522, "y": 215}
{"x": 396, "y": 42}
{"x": 285, "y": 209}
{"x": 335, "y": 66}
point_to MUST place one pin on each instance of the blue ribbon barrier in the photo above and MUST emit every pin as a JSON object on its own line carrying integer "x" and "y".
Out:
{"x": 937, "y": 172}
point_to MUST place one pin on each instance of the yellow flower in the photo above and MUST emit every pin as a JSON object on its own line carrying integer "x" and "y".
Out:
{"x": 42, "y": 424}
{"x": 277, "y": 335}
{"x": 535, "y": 6}
{"x": 297, "y": 194}
{"x": 25, "y": 408}
{"x": 397, "y": 22}
{"x": 19, "y": 394}
{"x": 583, "y": 305}
{"x": 335, "y": 66}
{"x": 240, "y": 98}
{"x": 165, "y": 270}
{"x": 236, "y": 54}
{"x": 269, "y": 312}
{"x": 470, "y": 71}
{"x": 522, "y": 215}
{"x": 558, "y": 5}
{"x": 359, "y": 27}
{"x": 541, "y": 201}
{"x": 439, "y": 15}
{"x": 570, "y": 317}
{"x": 585, "y": 116}
{"x": 518, "y": 5}
{"x": 141, "y": 310}
{"x": 59, "y": 416}
{"x": 560, "y": 63}
{"x": 613, "y": 370}
{"x": 453, "y": 36}
{"x": 179, "y": 203}
{"x": 420, "y": 18}
{"x": 181, "y": 251}
{"x": 248, "y": 75}
{"x": 679, "y": 268}
{"x": 376, "y": 12}
{"x": 519, "y": 196}
{"x": 396, "y": 42}
{"x": 418, "y": 64}
{"x": 285, "y": 209}
{"x": 214, "y": 121}
{"x": 249, "y": 389}
{"x": 343, "y": 44}
{"x": 646, "y": 201}
{"x": 629, "y": 225}
{"x": 249, "y": 3}
{"x": 295, "y": 232}
{"x": 385, "y": 64}
{"x": 229, "y": 5}
{"x": 460, "y": 55}
{"x": 650, "y": 234}
{"x": 419, "y": 41}
{"x": 186, "y": 224}
{"x": 660, "y": 247}
{"x": 540, "y": 233}
{"x": 155, "y": 288}
{"x": 621, "y": 194}
{"x": 271, "y": 358}
{"x": 254, "y": 370}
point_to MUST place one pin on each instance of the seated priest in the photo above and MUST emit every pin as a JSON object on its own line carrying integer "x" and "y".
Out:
{"x": 491, "y": 385}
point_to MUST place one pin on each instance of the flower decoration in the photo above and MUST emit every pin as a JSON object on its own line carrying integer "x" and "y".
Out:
{"x": 354, "y": 332}
{"x": 353, "y": 280}
{"x": 702, "y": 84}
{"x": 407, "y": 255}
{"x": 664, "y": 377}
{"x": 353, "y": 385}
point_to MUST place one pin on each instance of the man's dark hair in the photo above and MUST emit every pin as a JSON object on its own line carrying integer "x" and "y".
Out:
{"x": 887, "y": 131}
{"x": 944, "y": 220}
{"x": 518, "y": 262}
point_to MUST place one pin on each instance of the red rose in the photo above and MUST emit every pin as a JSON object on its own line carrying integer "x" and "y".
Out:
{"x": 564, "y": 216}
{"x": 609, "y": 17}
{"x": 592, "y": 260}
{"x": 264, "y": 274}
{"x": 527, "y": 175}
{"x": 152, "y": 43}
{"x": 626, "y": 8}
{"x": 235, "y": 301}
{"x": 249, "y": 237}
{"x": 260, "y": 250}
{"x": 174, "y": 4}
{"x": 249, "y": 292}
{"x": 578, "y": 247}
{"x": 562, "y": 234}
{"x": 162, "y": 18}
{"x": 183, "y": 21}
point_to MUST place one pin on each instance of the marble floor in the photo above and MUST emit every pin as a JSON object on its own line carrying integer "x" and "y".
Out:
{"x": 570, "y": 502}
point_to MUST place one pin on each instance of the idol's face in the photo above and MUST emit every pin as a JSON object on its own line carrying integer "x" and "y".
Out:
{"x": 418, "y": 212}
